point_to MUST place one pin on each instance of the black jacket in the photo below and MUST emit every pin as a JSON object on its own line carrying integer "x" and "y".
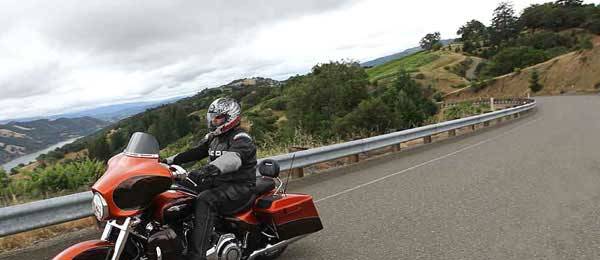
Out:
{"x": 233, "y": 153}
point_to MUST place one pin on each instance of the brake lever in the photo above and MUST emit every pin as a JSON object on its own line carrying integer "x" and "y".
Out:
{"x": 190, "y": 180}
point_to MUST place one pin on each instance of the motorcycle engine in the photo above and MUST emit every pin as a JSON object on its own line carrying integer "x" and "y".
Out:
{"x": 229, "y": 248}
{"x": 166, "y": 243}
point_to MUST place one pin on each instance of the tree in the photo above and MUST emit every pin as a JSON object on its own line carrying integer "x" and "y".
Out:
{"x": 534, "y": 83}
{"x": 514, "y": 57}
{"x": 99, "y": 149}
{"x": 473, "y": 35}
{"x": 329, "y": 92}
{"x": 473, "y": 31}
{"x": 371, "y": 115}
{"x": 408, "y": 102}
{"x": 4, "y": 179}
{"x": 118, "y": 139}
{"x": 504, "y": 24}
{"x": 429, "y": 40}
{"x": 569, "y": 3}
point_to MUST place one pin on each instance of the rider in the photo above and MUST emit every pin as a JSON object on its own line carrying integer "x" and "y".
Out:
{"x": 227, "y": 182}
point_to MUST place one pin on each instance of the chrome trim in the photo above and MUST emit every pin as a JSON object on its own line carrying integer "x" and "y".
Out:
{"x": 141, "y": 155}
{"x": 277, "y": 191}
{"x": 224, "y": 239}
{"x": 211, "y": 251}
{"x": 274, "y": 247}
{"x": 124, "y": 228}
{"x": 158, "y": 254}
{"x": 106, "y": 232}
{"x": 101, "y": 208}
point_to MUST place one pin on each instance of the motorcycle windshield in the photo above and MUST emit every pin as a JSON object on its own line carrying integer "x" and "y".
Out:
{"x": 142, "y": 145}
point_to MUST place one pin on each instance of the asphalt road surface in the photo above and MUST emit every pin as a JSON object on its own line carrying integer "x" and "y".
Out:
{"x": 527, "y": 189}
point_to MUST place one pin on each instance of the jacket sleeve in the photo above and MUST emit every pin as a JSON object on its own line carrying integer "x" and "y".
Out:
{"x": 195, "y": 154}
{"x": 241, "y": 150}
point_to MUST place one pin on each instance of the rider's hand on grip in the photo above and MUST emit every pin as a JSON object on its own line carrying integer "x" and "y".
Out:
{"x": 178, "y": 172}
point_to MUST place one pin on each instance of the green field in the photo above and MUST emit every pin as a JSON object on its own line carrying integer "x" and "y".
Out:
{"x": 409, "y": 63}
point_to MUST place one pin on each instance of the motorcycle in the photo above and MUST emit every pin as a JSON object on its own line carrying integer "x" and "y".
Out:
{"x": 149, "y": 213}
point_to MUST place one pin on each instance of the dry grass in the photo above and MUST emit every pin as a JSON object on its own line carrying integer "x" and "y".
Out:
{"x": 29, "y": 238}
{"x": 574, "y": 72}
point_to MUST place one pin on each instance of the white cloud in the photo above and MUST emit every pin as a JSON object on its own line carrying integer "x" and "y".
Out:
{"x": 59, "y": 56}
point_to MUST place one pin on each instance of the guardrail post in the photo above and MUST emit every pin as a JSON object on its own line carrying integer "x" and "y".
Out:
{"x": 486, "y": 123}
{"x": 396, "y": 148}
{"x": 353, "y": 158}
{"x": 517, "y": 115}
{"x": 296, "y": 172}
{"x": 452, "y": 132}
{"x": 492, "y": 104}
{"x": 427, "y": 139}
{"x": 473, "y": 127}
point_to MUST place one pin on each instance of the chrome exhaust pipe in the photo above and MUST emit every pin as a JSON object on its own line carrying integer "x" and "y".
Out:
{"x": 274, "y": 247}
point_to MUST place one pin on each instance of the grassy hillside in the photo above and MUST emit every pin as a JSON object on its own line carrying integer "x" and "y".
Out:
{"x": 444, "y": 71}
{"x": 574, "y": 72}
{"x": 409, "y": 63}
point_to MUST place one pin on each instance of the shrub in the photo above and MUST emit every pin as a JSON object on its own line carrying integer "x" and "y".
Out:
{"x": 420, "y": 76}
{"x": 517, "y": 71}
{"x": 534, "y": 84}
{"x": 438, "y": 96}
{"x": 277, "y": 103}
{"x": 330, "y": 91}
{"x": 514, "y": 57}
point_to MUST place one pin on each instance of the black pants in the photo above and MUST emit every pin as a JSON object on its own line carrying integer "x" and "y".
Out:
{"x": 210, "y": 202}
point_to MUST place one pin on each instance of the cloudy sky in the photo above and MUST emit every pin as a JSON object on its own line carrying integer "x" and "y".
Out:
{"x": 67, "y": 55}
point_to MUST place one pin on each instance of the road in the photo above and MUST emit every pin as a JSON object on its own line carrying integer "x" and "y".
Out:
{"x": 527, "y": 189}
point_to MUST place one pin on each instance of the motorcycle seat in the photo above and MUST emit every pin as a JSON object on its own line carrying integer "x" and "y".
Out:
{"x": 264, "y": 185}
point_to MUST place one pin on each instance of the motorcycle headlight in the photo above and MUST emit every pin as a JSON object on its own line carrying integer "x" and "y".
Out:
{"x": 100, "y": 207}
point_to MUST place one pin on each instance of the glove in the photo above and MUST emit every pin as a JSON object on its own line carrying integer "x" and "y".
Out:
{"x": 208, "y": 170}
{"x": 178, "y": 172}
{"x": 168, "y": 161}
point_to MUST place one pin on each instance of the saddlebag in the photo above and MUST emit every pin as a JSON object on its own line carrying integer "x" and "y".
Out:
{"x": 291, "y": 215}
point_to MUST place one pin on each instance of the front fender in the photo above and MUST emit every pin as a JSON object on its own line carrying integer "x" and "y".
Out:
{"x": 87, "y": 250}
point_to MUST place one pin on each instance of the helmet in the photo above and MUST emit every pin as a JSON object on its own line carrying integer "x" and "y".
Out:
{"x": 226, "y": 109}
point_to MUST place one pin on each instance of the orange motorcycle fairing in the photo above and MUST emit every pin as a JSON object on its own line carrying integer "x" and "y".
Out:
{"x": 130, "y": 183}
{"x": 87, "y": 250}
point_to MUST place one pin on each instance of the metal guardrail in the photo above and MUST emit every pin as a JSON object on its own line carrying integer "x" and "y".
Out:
{"x": 25, "y": 217}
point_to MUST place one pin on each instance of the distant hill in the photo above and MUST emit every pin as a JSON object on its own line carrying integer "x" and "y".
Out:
{"x": 574, "y": 72}
{"x": 111, "y": 113}
{"x": 384, "y": 59}
{"x": 20, "y": 138}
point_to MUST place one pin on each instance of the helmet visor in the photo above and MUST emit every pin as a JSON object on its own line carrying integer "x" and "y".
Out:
{"x": 214, "y": 119}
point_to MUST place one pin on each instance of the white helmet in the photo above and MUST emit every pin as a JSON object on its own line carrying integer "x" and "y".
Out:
{"x": 227, "y": 108}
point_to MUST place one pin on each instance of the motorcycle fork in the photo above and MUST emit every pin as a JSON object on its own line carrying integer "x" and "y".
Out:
{"x": 124, "y": 230}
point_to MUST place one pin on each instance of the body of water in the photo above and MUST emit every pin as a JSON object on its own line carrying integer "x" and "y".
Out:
{"x": 25, "y": 159}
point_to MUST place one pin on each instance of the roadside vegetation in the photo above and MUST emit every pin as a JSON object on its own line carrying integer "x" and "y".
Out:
{"x": 337, "y": 101}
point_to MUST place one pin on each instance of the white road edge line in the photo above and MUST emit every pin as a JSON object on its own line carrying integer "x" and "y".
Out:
{"x": 424, "y": 163}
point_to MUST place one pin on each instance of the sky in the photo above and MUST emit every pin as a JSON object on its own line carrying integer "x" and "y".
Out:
{"x": 68, "y": 55}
